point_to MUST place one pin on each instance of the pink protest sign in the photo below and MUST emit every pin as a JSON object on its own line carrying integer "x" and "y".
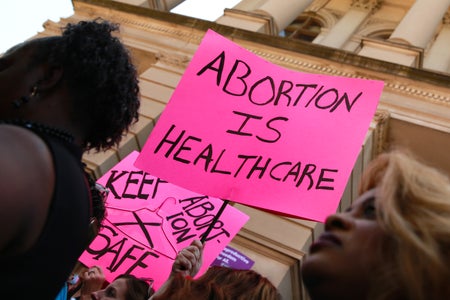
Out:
{"x": 150, "y": 220}
{"x": 243, "y": 129}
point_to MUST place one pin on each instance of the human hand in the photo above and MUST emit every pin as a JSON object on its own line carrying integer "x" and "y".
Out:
{"x": 189, "y": 260}
{"x": 91, "y": 280}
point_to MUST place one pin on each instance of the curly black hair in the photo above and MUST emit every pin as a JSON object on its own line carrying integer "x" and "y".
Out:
{"x": 101, "y": 79}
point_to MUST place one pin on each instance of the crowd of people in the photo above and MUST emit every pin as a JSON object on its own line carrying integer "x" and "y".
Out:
{"x": 221, "y": 283}
{"x": 64, "y": 95}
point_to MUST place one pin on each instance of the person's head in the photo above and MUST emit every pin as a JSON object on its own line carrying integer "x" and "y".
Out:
{"x": 392, "y": 243}
{"x": 83, "y": 80}
{"x": 124, "y": 287}
{"x": 221, "y": 283}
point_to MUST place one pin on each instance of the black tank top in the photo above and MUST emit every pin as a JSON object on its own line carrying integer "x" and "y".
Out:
{"x": 41, "y": 272}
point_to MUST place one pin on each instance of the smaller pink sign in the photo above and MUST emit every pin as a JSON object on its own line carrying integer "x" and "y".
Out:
{"x": 150, "y": 220}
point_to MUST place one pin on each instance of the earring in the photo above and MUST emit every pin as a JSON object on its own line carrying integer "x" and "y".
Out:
{"x": 25, "y": 99}
{"x": 18, "y": 102}
{"x": 34, "y": 91}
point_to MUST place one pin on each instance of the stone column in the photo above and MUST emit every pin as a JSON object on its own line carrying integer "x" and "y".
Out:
{"x": 438, "y": 57}
{"x": 349, "y": 23}
{"x": 284, "y": 12}
{"x": 419, "y": 25}
{"x": 270, "y": 16}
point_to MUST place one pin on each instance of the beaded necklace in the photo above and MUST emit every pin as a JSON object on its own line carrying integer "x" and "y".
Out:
{"x": 42, "y": 128}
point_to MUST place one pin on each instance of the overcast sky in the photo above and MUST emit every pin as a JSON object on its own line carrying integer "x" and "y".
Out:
{"x": 22, "y": 19}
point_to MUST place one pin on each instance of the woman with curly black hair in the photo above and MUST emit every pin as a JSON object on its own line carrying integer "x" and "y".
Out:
{"x": 59, "y": 96}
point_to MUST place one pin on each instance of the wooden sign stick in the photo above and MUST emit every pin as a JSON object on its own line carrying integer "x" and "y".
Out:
{"x": 216, "y": 218}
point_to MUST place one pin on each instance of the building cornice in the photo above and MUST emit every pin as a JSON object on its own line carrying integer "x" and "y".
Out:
{"x": 200, "y": 26}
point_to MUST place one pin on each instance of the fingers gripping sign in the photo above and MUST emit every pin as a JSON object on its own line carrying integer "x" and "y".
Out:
{"x": 187, "y": 263}
{"x": 189, "y": 260}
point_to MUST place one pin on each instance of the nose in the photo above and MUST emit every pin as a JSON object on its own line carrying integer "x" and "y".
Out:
{"x": 338, "y": 221}
{"x": 95, "y": 295}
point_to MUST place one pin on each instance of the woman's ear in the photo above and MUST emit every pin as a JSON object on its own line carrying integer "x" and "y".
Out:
{"x": 52, "y": 75}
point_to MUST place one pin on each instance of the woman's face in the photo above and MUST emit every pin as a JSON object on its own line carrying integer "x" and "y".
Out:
{"x": 16, "y": 77}
{"x": 116, "y": 290}
{"x": 341, "y": 262}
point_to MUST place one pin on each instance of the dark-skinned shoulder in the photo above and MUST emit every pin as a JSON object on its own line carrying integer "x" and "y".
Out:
{"x": 27, "y": 180}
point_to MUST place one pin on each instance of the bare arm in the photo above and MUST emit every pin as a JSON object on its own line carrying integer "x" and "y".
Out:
{"x": 26, "y": 184}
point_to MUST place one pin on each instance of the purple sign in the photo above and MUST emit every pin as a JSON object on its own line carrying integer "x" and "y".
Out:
{"x": 231, "y": 258}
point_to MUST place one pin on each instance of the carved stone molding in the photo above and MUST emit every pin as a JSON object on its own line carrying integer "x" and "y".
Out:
{"x": 293, "y": 61}
{"x": 317, "y": 5}
{"x": 327, "y": 17}
{"x": 373, "y": 26}
{"x": 257, "y": 16}
{"x": 446, "y": 19}
{"x": 431, "y": 96}
{"x": 163, "y": 5}
{"x": 380, "y": 133}
{"x": 179, "y": 61}
{"x": 138, "y": 22}
{"x": 52, "y": 28}
{"x": 369, "y": 5}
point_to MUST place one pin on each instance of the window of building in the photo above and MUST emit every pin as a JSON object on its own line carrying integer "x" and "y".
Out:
{"x": 305, "y": 28}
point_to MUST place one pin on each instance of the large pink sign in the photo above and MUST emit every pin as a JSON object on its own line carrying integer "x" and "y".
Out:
{"x": 241, "y": 128}
{"x": 150, "y": 220}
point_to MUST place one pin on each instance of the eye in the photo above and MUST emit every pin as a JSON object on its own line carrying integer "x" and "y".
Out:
{"x": 369, "y": 210}
{"x": 111, "y": 292}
